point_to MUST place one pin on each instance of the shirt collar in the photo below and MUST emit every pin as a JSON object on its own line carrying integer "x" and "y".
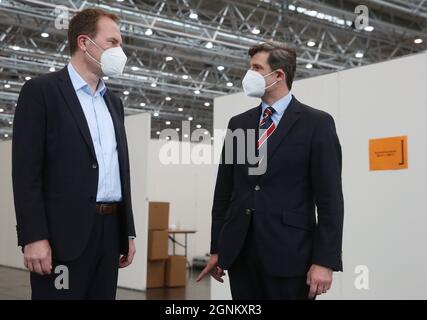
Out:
{"x": 79, "y": 83}
{"x": 280, "y": 105}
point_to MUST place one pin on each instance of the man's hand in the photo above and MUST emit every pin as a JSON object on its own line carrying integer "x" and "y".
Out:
{"x": 319, "y": 279}
{"x": 126, "y": 260}
{"x": 213, "y": 269}
{"x": 38, "y": 257}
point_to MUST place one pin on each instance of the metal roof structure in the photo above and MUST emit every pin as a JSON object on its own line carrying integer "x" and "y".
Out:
{"x": 184, "y": 53}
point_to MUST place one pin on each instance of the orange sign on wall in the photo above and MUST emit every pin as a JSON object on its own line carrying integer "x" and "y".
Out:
{"x": 388, "y": 153}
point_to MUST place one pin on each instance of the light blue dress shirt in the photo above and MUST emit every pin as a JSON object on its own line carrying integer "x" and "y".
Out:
{"x": 103, "y": 136}
{"x": 280, "y": 106}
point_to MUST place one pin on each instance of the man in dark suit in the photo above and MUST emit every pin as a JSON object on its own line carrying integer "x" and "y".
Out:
{"x": 70, "y": 169}
{"x": 264, "y": 228}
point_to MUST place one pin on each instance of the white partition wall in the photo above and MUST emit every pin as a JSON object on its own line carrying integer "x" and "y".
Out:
{"x": 385, "y": 211}
{"x": 138, "y": 128}
{"x": 188, "y": 188}
{"x": 10, "y": 254}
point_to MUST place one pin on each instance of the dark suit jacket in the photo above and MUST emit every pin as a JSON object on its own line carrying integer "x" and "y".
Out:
{"x": 54, "y": 167}
{"x": 303, "y": 171}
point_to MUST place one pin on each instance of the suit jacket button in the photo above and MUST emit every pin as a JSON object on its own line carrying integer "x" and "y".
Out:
{"x": 248, "y": 211}
{"x": 94, "y": 166}
{"x": 257, "y": 188}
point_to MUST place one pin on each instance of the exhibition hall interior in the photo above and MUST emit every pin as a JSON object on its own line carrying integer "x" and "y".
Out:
{"x": 344, "y": 191}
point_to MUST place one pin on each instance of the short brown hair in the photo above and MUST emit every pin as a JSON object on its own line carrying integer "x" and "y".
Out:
{"x": 86, "y": 22}
{"x": 280, "y": 57}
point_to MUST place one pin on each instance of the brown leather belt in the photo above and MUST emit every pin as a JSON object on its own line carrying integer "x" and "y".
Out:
{"x": 107, "y": 208}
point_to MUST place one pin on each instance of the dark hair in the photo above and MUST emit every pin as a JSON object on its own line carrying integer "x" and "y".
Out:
{"x": 280, "y": 57}
{"x": 86, "y": 22}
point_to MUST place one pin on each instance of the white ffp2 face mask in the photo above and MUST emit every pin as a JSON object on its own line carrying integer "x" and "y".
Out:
{"x": 113, "y": 60}
{"x": 254, "y": 84}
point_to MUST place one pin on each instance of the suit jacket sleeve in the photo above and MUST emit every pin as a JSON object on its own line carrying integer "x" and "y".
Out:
{"x": 131, "y": 224}
{"x": 326, "y": 164}
{"x": 28, "y": 149}
{"x": 222, "y": 196}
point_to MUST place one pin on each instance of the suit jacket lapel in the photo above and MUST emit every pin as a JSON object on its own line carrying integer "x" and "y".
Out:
{"x": 73, "y": 104}
{"x": 115, "y": 117}
{"x": 117, "y": 128}
{"x": 288, "y": 119}
{"x": 252, "y": 123}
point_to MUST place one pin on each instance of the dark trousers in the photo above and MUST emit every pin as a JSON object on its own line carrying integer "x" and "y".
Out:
{"x": 248, "y": 280}
{"x": 91, "y": 276}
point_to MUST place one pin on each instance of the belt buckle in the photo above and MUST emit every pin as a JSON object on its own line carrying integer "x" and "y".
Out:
{"x": 106, "y": 209}
{"x": 101, "y": 209}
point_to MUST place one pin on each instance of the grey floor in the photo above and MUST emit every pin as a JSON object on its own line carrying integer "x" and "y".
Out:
{"x": 14, "y": 285}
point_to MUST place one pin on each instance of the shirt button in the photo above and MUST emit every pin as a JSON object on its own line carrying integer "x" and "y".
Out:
{"x": 94, "y": 166}
{"x": 257, "y": 188}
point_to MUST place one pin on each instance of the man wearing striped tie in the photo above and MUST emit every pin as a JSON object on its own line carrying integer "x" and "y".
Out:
{"x": 264, "y": 226}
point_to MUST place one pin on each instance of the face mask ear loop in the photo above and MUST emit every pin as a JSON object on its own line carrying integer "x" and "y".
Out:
{"x": 267, "y": 75}
{"x": 96, "y": 44}
{"x": 273, "y": 82}
{"x": 90, "y": 56}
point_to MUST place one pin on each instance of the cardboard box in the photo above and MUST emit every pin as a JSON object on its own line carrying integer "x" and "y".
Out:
{"x": 158, "y": 245}
{"x": 156, "y": 274}
{"x": 176, "y": 271}
{"x": 158, "y": 215}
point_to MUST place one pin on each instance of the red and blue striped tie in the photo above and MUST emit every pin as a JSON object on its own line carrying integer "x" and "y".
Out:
{"x": 267, "y": 126}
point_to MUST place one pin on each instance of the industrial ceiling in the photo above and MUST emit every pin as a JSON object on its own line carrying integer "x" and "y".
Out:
{"x": 184, "y": 53}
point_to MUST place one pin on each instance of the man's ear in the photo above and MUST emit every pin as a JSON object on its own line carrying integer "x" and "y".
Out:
{"x": 281, "y": 75}
{"x": 81, "y": 42}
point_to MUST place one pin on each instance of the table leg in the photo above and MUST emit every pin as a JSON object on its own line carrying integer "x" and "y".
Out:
{"x": 173, "y": 248}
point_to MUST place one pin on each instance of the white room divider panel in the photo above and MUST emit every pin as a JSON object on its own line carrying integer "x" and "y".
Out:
{"x": 138, "y": 128}
{"x": 188, "y": 188}
{"x": 10, "y": 254}
{"x": 386, "y": 211}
